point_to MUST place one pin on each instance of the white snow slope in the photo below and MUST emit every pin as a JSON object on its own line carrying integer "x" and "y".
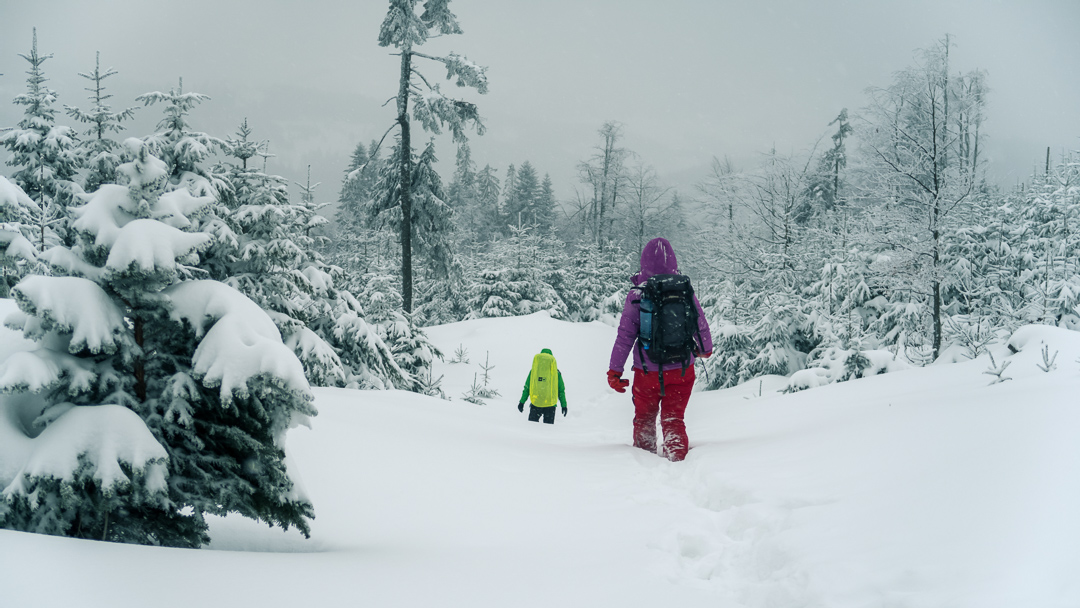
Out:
{"x": 920, "y": 488}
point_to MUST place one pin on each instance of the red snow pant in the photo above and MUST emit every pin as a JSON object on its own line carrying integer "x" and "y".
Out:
{"x": 671, "y": 407}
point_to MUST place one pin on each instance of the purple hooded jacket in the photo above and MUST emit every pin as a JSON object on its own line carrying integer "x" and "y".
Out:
{"x": 657, "y": 257}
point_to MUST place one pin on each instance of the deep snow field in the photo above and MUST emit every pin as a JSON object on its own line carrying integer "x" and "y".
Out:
{"x": 919, "y": 488}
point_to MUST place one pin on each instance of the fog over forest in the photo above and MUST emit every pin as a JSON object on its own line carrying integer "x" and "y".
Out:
{"x": 689, "y": 79}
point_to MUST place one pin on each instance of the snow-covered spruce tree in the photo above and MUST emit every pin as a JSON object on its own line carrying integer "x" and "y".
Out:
{"x": 487, "y": 201}
{"x": 1048, "y": 247}
{"x": 97, "y": 152}
{"x": 358, "y": 185}
{"x": 432, "y": 227}
{"x": 43, "y": 153}
{"x": 351, "y": 244}
{"x": 781, "y": 338}
{"x": 411, "y": 350}
{"x": 529, "y": 200}
{"x": 595, "y": 276}
{"x": 731, "y": 352}
{"x": 725, "y": 306}
{"x": 522, "y": 200}
{"x": 200, "y": 364}
{"x": 826, "y": 185}
{"x": 432, "y": 219}
{"x": 983, "y": 290}
{"x": 406, "y": 30}
{"x": 275, "y": 263}
{"x": 17, "y": 255}
{"x": 461, "y": 195}
{"x": 510, "y": 192}
{"x": 440, "y": 301}
{"x": 312, "y": 219}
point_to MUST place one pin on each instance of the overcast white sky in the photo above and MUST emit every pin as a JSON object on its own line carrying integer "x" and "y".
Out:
{"x": 689, "y": 79}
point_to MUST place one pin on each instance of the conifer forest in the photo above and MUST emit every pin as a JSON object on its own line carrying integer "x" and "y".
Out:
{"x": 170, "y": 278}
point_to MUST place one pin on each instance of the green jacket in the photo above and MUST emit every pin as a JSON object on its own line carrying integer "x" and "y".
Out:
{"x": 562, "y": 390}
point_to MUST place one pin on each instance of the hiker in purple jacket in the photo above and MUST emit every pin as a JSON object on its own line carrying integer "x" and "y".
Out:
{"x": 651, "y": 394}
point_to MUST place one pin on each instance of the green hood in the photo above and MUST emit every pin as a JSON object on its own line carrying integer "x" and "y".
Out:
{"x": 546, "y": 351}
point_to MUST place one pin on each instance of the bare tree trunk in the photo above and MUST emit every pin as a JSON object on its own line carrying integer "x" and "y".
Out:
{"x": 405, "y": 166}
{"x": 937, "y": 285}
{"x": 603, "y": 191}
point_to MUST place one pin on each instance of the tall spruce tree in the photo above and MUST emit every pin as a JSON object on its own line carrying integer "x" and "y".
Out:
{"x": 509, "y": 204}
{"x": 462, "y": 194}
{"x": 431, "y": 218}
{"x": 825, "y": 184}
{"x": 544, "y": 213}
{"x": 358, "y": 186}
{"x": 523, "y": 202}
{"x": 406, "y": 30}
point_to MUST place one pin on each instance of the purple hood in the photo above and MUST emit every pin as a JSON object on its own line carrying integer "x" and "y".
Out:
{"x": 658, "y": 257}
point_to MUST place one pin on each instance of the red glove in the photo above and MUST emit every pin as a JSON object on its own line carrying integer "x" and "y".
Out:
{"x": 615, "y": 381}
{"x": 705, "y": 355}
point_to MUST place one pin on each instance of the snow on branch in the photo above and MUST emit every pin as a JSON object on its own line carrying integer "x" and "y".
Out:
{"x": 12, "y": 198}
{"x": 151, "y": 247}
{"x": 106, "y": 436}
{"x": 468, "y": 73}
{"x": 74, "y": 305}
{"x": 186, "y": 101}
{"x": 239, "y": 340}
{"x": 34, "y": 371}
{"x": 434, "y": 110}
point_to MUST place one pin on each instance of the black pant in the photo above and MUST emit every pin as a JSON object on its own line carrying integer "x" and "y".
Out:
{"x": 547, "y": 412}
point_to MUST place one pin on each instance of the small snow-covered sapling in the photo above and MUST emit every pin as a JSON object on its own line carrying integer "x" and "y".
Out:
{"x": 997, "y": 372}
{"x": 430, "y": 386}
{"x": 486, "y": 391}
{"x": 759, "y": 389}
{"x": 473, "y": 394}
{"x": 1048, "y": 361}
{"x": 487, "y": 367}
{"x": 461, "y": 354}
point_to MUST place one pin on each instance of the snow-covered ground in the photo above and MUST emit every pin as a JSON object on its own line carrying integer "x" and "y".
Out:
{"x": 920, "y": 488}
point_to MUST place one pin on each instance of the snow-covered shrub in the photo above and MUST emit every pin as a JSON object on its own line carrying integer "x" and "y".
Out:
{"x": 837, "y": 364}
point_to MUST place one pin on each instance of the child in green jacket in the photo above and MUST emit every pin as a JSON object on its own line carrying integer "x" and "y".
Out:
{"x": 541, "y": 391}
